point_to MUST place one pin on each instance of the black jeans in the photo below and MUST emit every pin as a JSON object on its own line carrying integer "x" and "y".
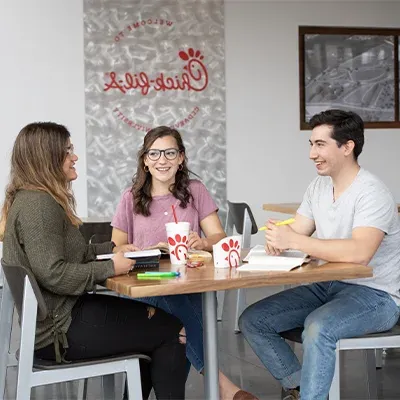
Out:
{"x": 105, "y": 325}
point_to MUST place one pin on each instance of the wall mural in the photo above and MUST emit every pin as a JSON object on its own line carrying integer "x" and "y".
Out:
{"x": 151, "y": 63}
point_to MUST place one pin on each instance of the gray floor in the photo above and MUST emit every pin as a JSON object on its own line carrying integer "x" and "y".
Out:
{"x": 239, "y": 363}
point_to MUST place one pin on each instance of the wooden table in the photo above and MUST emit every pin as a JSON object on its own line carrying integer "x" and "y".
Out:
{"x": 290, "y": 208}
{"x": 207, "y": 280}
{"x": 285, "y": 208}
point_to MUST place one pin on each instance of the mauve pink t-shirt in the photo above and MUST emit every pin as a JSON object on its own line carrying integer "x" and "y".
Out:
{"x": 148, "y": 231}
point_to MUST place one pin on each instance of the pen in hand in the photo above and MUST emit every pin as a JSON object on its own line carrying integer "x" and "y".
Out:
{"x": 280, "y": 223}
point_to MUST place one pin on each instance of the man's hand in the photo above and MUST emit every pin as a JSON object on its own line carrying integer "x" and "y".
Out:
{"x": 272, "y": 251}
{"x": 278, "y": 238}
{"x": 125, "y": 247}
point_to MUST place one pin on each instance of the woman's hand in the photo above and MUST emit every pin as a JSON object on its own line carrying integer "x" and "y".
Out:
{"x": 196, "y": 242}
{"x": 125, "y": 247}
{"x": 122, "y": 265}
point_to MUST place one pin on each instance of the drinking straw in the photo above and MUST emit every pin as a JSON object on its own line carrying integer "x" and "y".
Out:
{"x": 173, "y": 212}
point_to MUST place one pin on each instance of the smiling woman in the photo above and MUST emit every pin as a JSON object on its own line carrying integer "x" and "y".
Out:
{"x": 162, "y": 181}
{"x": 39, "y": 229}
{"x": 69, "y": 163}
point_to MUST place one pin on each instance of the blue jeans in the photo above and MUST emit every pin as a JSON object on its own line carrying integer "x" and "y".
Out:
{"x": 188, "y": 308}
{"x": 328, "y": 311}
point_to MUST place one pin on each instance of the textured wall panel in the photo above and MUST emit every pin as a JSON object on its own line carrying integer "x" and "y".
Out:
{"x": 150, "y": 63}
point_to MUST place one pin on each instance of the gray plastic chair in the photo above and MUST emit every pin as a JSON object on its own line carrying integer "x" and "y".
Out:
{"x": 242, "y": 220}
{"x": 369, "y": 343}
{"x": 7, "y": 359}
{"x": 34, "y": 372}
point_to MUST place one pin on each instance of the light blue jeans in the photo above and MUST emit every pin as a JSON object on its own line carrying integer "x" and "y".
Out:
{"x": 328, "y": 311}
{"x": 188, "y": 308}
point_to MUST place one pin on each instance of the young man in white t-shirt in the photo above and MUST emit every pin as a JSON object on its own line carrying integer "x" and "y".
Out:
{"x": 355, "y": 219}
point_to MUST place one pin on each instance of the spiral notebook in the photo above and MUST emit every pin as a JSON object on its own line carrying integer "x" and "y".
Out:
{"x": 259, "y": 260}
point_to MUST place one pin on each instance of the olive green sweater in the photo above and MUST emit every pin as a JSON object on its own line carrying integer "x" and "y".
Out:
{"x": 39, "y": 236}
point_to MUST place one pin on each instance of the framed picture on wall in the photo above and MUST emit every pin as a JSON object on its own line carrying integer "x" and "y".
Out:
{"x": 355, "y": 69}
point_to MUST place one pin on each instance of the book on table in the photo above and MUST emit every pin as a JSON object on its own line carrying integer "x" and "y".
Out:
{"x": 259, "y": 260}
{"x": 143, "y": 258}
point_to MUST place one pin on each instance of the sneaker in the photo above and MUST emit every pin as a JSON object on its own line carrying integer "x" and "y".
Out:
{"x": 291, "y": 394}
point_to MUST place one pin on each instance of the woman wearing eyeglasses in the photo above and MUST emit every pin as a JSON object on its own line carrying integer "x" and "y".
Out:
{"x": 162, "y": 181}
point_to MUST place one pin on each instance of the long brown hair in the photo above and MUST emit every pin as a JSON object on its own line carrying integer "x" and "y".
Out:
{"x": 141, "y": 188}
{"x": 37, "y": 162}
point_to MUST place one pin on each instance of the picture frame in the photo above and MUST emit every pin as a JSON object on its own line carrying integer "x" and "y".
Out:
{"x": 354, "y": 69}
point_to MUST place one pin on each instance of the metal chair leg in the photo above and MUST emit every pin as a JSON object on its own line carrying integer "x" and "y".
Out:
{"x": 379, "y": 358}
{"x": 64, "y": 391}
{"x": 134, "y": 385}
{"x": 220, "y": 304}
{"x": 28, "y": 324}
{"x": 82, "y": 389}
{"x": 240, "y": 306}
{"x": 370, "y": 361}
{"x": 108, "y": 383}
{"x": 334, "y": 392}
{"x": 6, "y": 320}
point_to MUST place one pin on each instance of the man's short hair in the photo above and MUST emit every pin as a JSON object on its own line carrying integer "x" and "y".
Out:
{"x": 346, "y": 125}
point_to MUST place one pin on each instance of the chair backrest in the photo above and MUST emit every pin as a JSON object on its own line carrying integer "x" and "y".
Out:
{"x": 89, "y": 229}
{"x": 15, "y": 275}
{"x": 241, "y": 218}
{"x": 100, "y": 238}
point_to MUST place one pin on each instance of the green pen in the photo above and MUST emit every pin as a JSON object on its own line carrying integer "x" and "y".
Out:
{"x": 158, "y": 274}
{"x": 150, "y": 277}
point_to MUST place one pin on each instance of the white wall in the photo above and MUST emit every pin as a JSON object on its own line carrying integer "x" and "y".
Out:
{"x": 267, "y": 152}
{"x": 42, "y": 78}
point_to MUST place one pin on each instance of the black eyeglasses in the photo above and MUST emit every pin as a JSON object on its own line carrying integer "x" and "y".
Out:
{"x": 169, "y": 154}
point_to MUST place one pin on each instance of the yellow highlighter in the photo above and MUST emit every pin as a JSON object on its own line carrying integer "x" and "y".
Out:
{"x": 280, "y": 223}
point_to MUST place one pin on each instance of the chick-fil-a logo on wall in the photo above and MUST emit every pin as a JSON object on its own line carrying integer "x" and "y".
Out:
{"x": 192, "y": 78}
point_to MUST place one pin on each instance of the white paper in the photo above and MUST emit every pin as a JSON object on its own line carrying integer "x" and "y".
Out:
{"x": 132, "y": 254}
{"x": 259, "y": 260}
{"x": 264, "y": 267}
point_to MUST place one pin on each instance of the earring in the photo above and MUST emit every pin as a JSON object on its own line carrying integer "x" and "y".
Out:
{"x": 180, "y": 167}
{"x": 146, "y": 168}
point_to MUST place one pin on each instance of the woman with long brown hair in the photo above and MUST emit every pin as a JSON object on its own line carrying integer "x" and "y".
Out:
{"x": 162, "y": 180}
{"x": 39, "y": 227}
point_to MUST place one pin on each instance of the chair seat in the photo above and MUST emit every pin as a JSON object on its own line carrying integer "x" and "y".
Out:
{"x": 52, "y": 365}
{"x": 294, "y": 335}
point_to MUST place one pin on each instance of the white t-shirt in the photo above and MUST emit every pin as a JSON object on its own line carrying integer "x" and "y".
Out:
{"x": 367, "y": 202}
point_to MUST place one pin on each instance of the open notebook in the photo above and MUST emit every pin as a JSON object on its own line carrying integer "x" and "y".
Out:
{"x": 144, "y": 258}
{"x": 259, "y": 260}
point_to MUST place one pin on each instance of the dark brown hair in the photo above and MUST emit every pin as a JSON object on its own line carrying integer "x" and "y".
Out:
{"x": 346, "y": 125}
{"x": 141, "y": 188}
